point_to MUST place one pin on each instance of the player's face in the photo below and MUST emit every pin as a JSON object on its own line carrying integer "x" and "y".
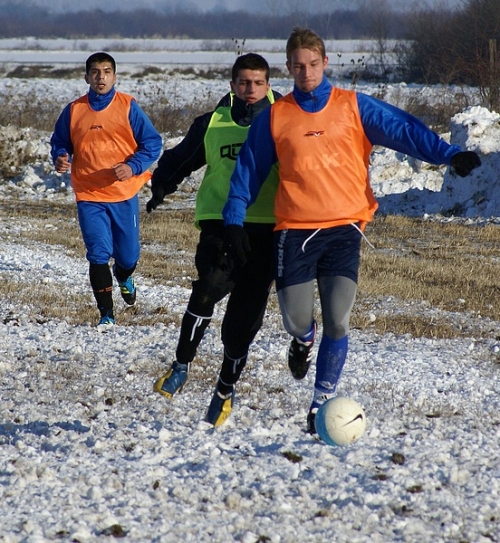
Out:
{"x": 101, "y": 77}
{"x": 307, "y": 68}
{"x": 250, "y": 85}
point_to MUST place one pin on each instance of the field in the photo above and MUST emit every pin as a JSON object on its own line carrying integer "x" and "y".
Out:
{"x": 89, "y": 452}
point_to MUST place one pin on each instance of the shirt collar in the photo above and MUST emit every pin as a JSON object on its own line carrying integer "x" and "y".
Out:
{"x": 100, "y": 101}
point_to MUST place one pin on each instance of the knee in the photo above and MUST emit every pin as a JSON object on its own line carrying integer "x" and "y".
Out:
{"x": 335, "y": 331}
{"x": 297, "y": 326}
{"x": 203, "y": 298}
{"x": 211, "y": 289}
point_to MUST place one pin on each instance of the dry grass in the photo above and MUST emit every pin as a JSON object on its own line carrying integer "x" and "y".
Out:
{"x": 168, "y": 245}
{"x": 443, "y": 276}
{"x": 450, "y": 266}
{"x": 40, "y": 113}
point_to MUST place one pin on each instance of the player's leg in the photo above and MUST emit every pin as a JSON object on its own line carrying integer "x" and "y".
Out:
{"x": 126, "y": 245}
{"x": 242, "y": 320}
{"x": 215, "y": 280}
{"x": 296, "y": 256}
{"x": 95, "y": 225}
{"x": 337, "y": 285}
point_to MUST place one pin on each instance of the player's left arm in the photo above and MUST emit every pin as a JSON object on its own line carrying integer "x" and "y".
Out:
{"x": 392, "y": 127}
{"x": 149, "y": 141}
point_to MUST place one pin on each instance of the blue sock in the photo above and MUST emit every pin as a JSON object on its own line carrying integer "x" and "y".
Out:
{"x": 309, "y": 335}
{"x": 332, "y": 354}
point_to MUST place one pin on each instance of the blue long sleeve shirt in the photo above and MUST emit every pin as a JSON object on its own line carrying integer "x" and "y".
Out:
{"x": 384, "y": 125}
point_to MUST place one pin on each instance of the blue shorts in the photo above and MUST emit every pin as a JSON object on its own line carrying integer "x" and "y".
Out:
{"x": 304, "y": 255}
{"x": 111, "y": 230}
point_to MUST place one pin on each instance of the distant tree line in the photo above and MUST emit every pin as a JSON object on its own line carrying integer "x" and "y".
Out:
{"x": 17, "y": 21}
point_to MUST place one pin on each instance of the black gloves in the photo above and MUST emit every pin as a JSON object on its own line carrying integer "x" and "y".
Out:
{"x": 161, "y": 185}
{"x": 236, "y": 243}
{"x": 156, "y": 199}
{"x": 464, "y": 162}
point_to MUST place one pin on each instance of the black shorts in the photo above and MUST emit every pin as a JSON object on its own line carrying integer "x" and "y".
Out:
{"x": 304, "y": 255}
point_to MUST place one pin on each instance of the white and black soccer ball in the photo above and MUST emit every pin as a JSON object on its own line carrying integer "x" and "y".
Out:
{"x": 340, "y": 421}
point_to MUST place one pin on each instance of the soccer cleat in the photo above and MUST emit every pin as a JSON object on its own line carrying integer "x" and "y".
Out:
{"x": 173, "y": 381}
{"x": 300, "y": 356}
{"x": 127, "y": 288}
{"x": 107, "y": 321}
{"x": 311, "y": 416}
{"x": 319, "y": 398}
{"x": 220, "y": 408}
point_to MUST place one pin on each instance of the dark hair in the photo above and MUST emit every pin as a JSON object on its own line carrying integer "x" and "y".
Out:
{"x": 304, "y": 38}
{"x": 99, "y": 57}
{"x": 250, "y": 61}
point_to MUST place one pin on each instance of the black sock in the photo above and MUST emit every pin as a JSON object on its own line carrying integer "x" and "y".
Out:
{"x": 224, "y": 389}
{"x": 102, "y": 286}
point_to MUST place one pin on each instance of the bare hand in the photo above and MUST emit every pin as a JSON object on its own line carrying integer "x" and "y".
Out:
{"x": 122, "y": 171}
{"x": 62, "y": 163}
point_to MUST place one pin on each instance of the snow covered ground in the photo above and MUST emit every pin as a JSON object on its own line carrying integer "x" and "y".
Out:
{"x": 89, "y": 452}
{"x": 180, "y": 52}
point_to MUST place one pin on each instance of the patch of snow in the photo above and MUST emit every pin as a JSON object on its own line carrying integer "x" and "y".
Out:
{"x": 88, "y": 451}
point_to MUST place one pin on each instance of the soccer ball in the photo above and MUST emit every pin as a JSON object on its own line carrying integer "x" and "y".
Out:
{"x": 340, "y": 421}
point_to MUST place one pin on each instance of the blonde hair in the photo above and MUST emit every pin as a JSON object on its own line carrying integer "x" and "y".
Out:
{"x": 304, "y": 38}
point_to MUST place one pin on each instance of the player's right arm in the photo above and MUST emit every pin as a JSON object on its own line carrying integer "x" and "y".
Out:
{"x": 178, "y": 162}
{"x": 61, "y": 147}
{"x": 253, "y": 165}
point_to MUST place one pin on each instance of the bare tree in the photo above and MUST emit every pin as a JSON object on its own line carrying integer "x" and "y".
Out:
{"x": 380, "y": 15}
{"x": 456, "y": 47}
